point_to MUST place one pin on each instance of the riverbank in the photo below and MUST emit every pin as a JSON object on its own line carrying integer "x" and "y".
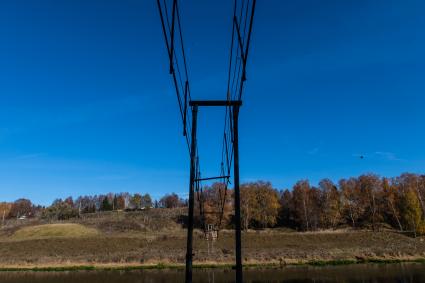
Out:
{"x": 388, "y": 273}
{"x": 165, "y": 250}
{"x": 211, "y": 265}
{"x": 147, "y": 241}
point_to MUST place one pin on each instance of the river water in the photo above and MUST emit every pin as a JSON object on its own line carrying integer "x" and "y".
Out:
{"x": 350, "y": 273}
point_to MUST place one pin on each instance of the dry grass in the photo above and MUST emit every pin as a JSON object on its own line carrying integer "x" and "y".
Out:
{"x": 154, "y": 237}
{"x": 62, "y": 230}
{"x": 148, "y": 248}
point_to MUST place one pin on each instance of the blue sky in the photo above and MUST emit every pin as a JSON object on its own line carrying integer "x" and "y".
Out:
{"x": 87, "y": 105}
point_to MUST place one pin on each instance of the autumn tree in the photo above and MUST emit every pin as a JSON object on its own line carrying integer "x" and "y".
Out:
{"x": 85, "y": 204}
{"x": 391, "y": 197}
{"x": 69, "y": 201}
{"x": 247, "y": 205}
{"x": 371, "y": 198}
{"x": 414, "y": 182}
{"x": 351, "y": 204}
{"x": 119, "y": 202}
{"x": 4, "y": 210}
{"x": 286, "y": 212}
{"x": 60, "y": 210}
{"x": 136, "y": 201}
{"x": 146, "y": 201}
{"x": 314, "y": 210}
{"x": 259, "y": 205}
{"x": 266, "y": 204}
{"x": 106, "y": 205}
{"x": 411, "y": 213}
{"x": 21, "y": 207}
{"x": 330, "y": 204}
{"x": 302, "y": 204}
{"x": 170, "y": 201}
{"x": 421, "y": 192}
{"x": 215, "y": 203}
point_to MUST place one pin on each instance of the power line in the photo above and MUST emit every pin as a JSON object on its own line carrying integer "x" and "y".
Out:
{"x": 235, "y": 81}
{"x": 180, "y": 87}
{"x": 240, "y": 39}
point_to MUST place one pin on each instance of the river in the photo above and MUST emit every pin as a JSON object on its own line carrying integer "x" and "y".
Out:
{"x": 408, "y": 272}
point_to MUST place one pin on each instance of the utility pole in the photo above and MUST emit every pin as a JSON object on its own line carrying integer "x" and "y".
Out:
{"x": 238, "y": 233}
{"x": 171, "y": 29}
{"x": 189, "y": 246}
{"x": 235, "y": 104}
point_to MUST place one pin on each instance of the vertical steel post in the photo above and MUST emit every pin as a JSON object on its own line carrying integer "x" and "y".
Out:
{"x": 189, "y": 254}
{"x": 238, "y": 235}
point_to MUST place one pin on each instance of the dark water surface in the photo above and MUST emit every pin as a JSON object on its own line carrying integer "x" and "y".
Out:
{"x": 351, "y": 273}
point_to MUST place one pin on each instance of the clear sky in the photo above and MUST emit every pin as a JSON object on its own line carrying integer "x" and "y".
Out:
{"x": 87, "y": 105}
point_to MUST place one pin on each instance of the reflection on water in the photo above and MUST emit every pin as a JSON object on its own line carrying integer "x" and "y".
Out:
{"x": 351, "y": 274}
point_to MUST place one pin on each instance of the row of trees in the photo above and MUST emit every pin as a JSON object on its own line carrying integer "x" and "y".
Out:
{"x": 260, "y": 205}
{"x": 20, "y": 208}
{"x": 63, "y": 209}
{"x": 366, "y": 201}
{"x": 90, "y": 204}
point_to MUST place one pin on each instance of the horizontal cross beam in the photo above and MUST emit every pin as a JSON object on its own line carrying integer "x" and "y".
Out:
{"x": 215, "y": 102}
{"x": 212, "y": 178}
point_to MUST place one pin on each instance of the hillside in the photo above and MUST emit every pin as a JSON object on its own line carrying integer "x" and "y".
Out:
{"x": 157, "y": 236}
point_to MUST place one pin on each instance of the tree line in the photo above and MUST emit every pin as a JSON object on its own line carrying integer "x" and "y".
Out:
{"x": 63, "y": 209}
{"x": 367, "y": 201}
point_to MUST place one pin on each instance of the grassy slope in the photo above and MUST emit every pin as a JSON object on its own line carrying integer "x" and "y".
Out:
{"x": 134, "y": 239}
{"x": 61, "y": 230}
